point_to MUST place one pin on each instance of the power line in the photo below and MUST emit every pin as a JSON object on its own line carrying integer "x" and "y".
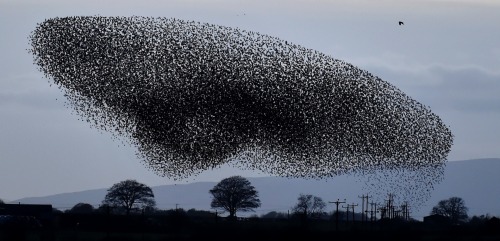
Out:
{"x": 363, "y": 197}
{"x": 337, "y": 213}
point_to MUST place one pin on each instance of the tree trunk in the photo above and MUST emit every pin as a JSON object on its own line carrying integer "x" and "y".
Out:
{"x": 232, "y": 215}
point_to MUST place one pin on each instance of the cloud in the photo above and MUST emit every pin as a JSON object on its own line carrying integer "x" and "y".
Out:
{"x": 466, "y": 88}
{"x": 29, "y": 91}
{"x": 464, "y": 96}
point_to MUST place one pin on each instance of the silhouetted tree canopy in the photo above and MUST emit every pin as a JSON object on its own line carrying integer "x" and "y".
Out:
{"x": 129, "y": 194}
{"x": 274, "y": 215}
{"x": 1, "y": 201}
{"x": 309, "y": 206}
{"x": 454, "y": 208}
{"x": 82, "y": 208}
{"x": 56, "y": 211}
{"x": 234, "y": 194}
{"x": 479, "y": 220}
{"x": 199, "y": 213}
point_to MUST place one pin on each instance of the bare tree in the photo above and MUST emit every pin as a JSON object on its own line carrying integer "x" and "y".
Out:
{"x": 234, "y": 194}
{"x": 129, "y": 194}
{"x": 309, "y": 206}
{"x": 454, "y": 208}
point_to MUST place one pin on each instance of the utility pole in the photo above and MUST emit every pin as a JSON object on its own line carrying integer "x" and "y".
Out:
{"x": 373, "y": 212}
{"x": 390, "y": 206}
{"x": 337, "y": 213}
{"x": 366, "y": 217}
{"x": 347, "y": 214}
{"x": 362, "y": 207}
{"x": 363, "y": 197}
{"x": 352, "y": 206}
{"x": 397, "y": 214}
{"x": 383, "y": 212}
{"x": 405, "y": 211}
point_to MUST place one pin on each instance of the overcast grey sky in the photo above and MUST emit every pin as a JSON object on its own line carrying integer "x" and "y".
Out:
{"x": 446, "y": 56}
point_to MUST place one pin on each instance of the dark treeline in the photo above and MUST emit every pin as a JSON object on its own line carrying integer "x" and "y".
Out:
{"x": 179, "y": 224}
{"x": 129, "y": 212}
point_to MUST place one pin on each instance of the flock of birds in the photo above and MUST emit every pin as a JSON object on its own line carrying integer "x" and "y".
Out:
{"x": 193, "y": 96}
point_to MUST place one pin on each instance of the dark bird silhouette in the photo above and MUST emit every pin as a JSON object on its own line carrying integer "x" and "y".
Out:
{"x": 401, "y": 23}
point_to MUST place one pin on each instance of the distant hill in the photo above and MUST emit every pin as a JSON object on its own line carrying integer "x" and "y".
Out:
{"x": 476, "y": 181}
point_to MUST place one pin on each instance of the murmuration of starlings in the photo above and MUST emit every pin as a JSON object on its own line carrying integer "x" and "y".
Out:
{"x": 193, "y": 96}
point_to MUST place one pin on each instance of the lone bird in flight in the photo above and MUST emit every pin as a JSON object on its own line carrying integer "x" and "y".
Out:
{"x": 401, "y": 23}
